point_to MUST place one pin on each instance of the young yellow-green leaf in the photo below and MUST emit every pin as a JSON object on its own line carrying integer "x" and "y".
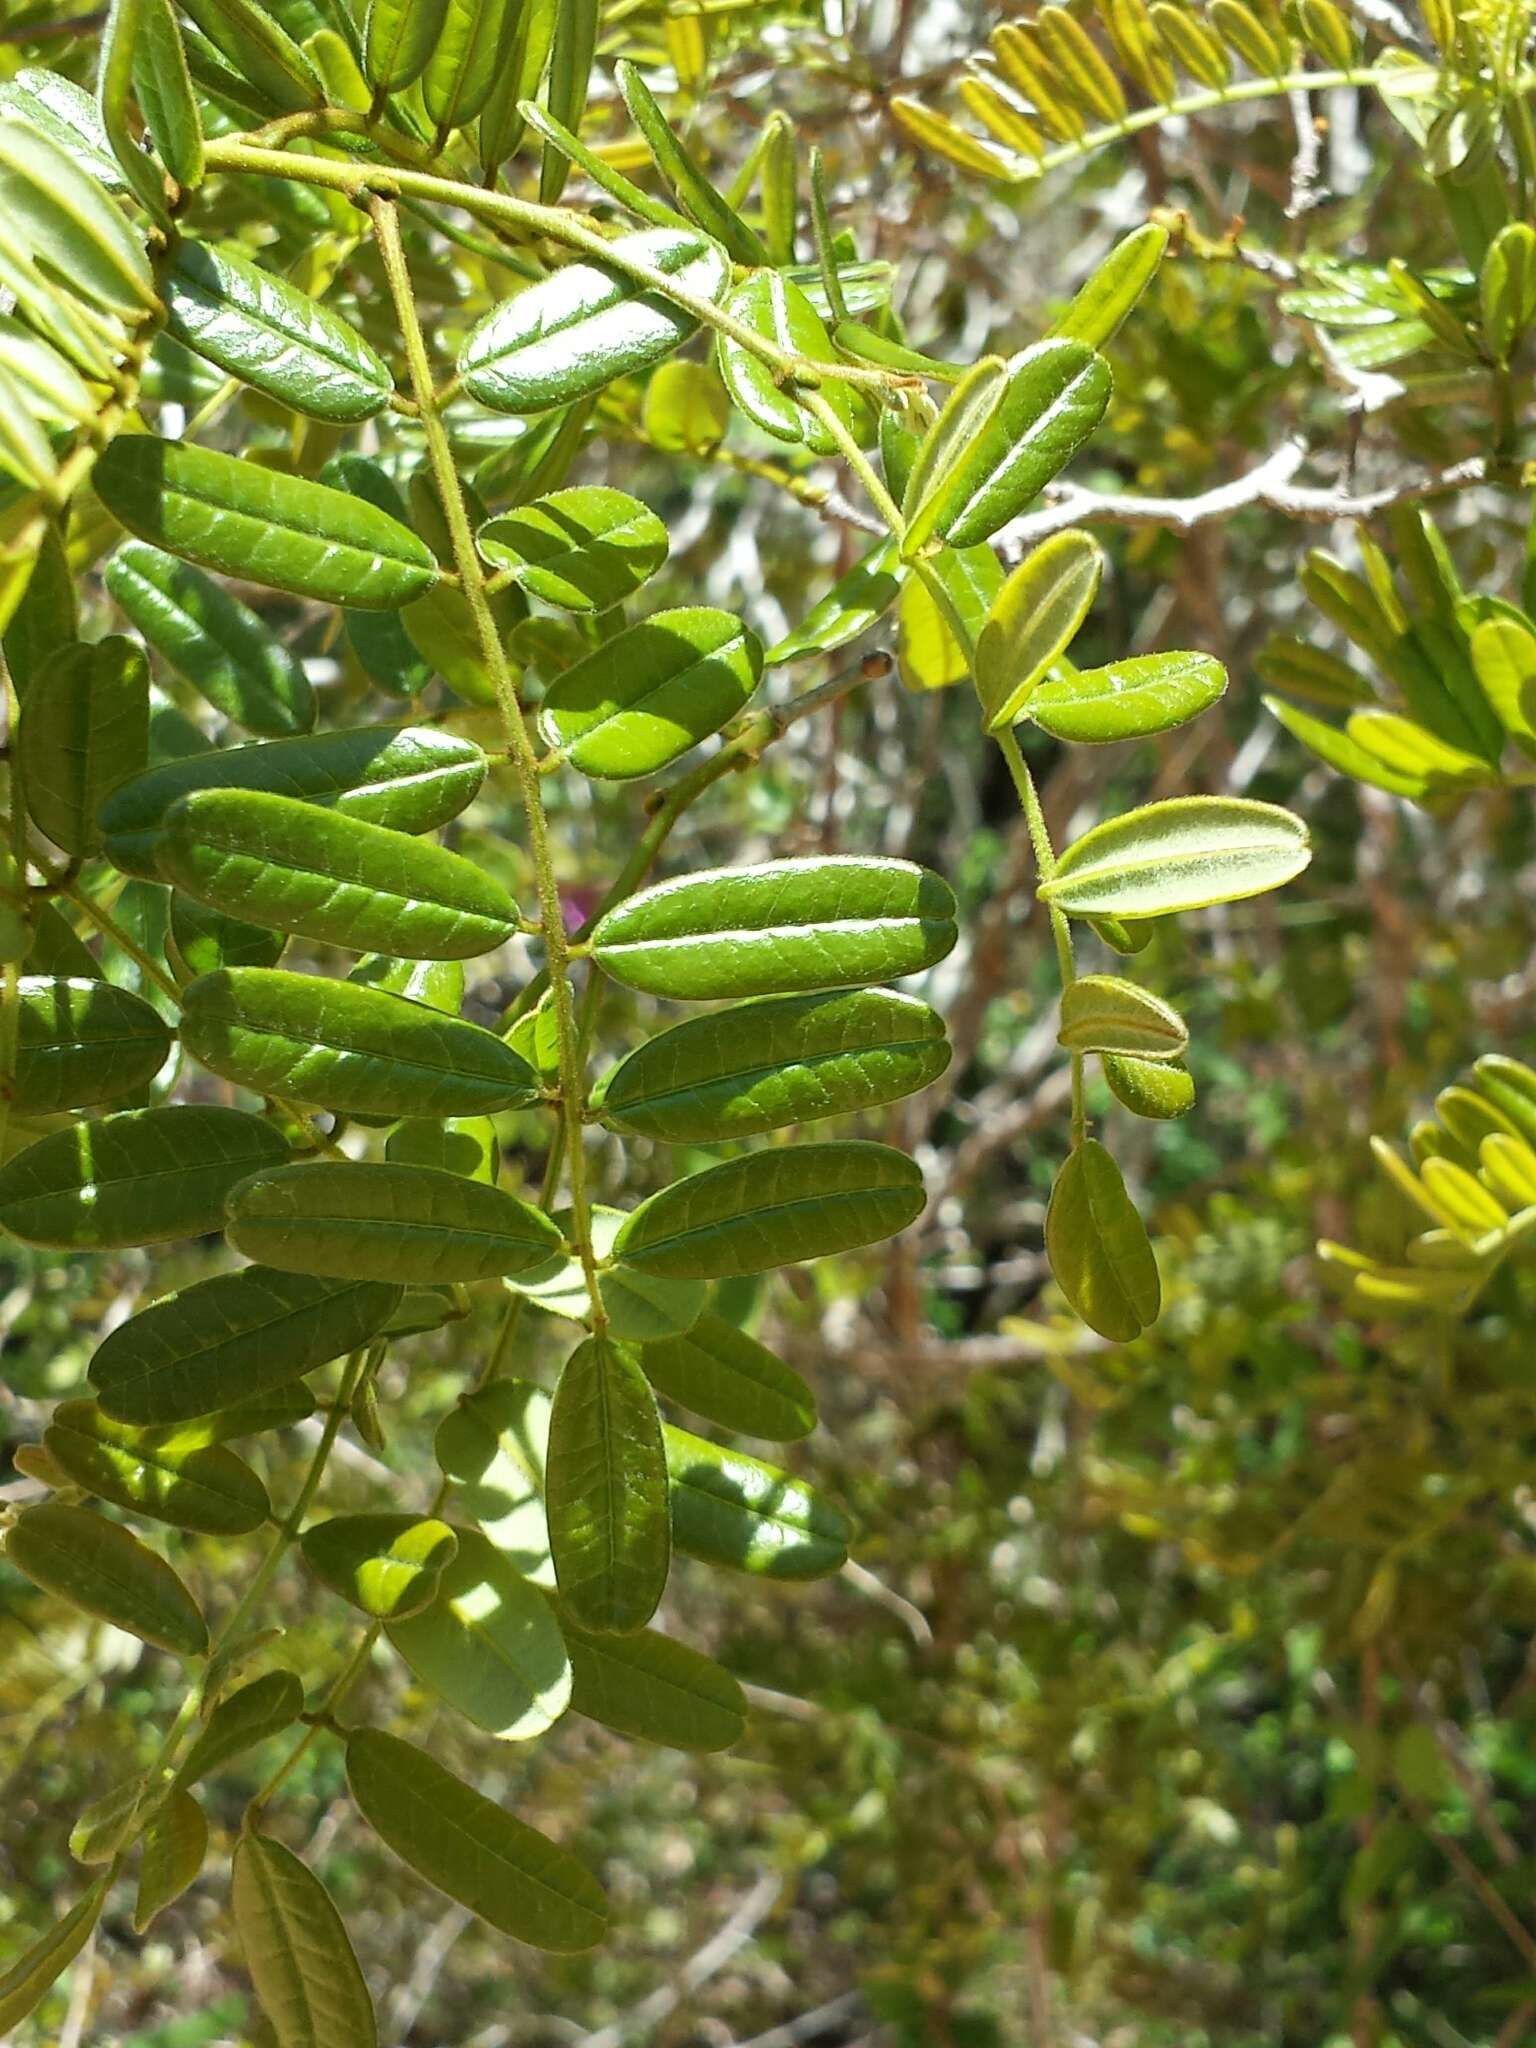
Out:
{"x": 573, "y": 41}
{"x": 86, "y": 729}
{"x": 234, "y": 1337}
{"x": 1033, "y": 621}
{"x": 390, "y": 1566}
{"x": 264, "y": 1707}
{"x": 820, "y": 922}
{"x": 589, "y": 323}
{"x": 411, "y": 1224}
{"x": 1181, "y": 854}
{"x": 1098, "y": 1247}
{"x": 652, "y": 1687}
{"x": 782, "y": 1060}
{"x": 189, "y": 1484}
{"x": 171, "y": 1859}
{"x": 140, "y": 1177}
{"x": 242, "y": 519}
{"x": 1128, "y": 700}
{"x": 639, "y": 1306}
{"x": 1507, "y": 288}
{"x": 721, "y": 1373}
{"x": 771, "y": 1208}
{"x": 729, "y": 1509}
{"x": 930, "y": 653}
{"x": 493, "y": 1447}
{"x": 687, "y": 183}
{"x": 162, "y": 85}
{"x": 306, "y": 1977}
{"x": 410, "y": 778}
{"x": 70, "y": 225}
{"x": 606, "y": 1490}
{"x": 652, "y": 692}
{"x": 39, "y": 1967}
{"x": 1406, "y": 749}
{"x": 779, "y": 311}
{"x": 80, "y": 1042}
{"x": 487, "y": 1642}
{"x": 278, "y": 340}
{"x": 1154, "y": 1088}
{"x": 1342, "y": 753}
{"x": 1075, "y": 58}
{"x": 104, "y": 1569}
{"x": 457, "y": 1144}
{"x": 225, "y": 651}
{"x": 686, "y": 409}
{"x": 1101, "y": 305}
{"x": 361, "y": 1051}
{"x": 1032, "y": 421}
{"x": 516, "y": 1879}
{"x": 850, "y": 607}
{"x": 934, "y": 131}
{"x": 323, "y": 874}
{"x": 585, "y": 550}
{"x": 398, "y": 38}
{"x": 1510, "y": 1086}
{"x": 1503, "y": 653}
{"x": 260, "y": 52}
{"x": 1102, "y": 1013}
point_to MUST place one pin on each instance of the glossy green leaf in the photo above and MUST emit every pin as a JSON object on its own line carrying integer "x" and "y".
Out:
{"x": 104, "y": 1569}
{"x": 688, "y": 184}
{"x": 262, "y": 1708}
{"x": 589, "y": 323}
{"x": 606, "y": 1490}
{"x": 326, "y": 875}
{"x": 80, "y": 1042}
{"x": 60, "y": 213}
{"x": 1102, "y": 1013}
{"x": 1098, "y": 1247}
{"x": 398, "y": 38}
{"x": 174, "y": 1849}
{"x": 254, "y": 43}
{"x": 202, "y": 940}
{"x": 516, "y": 1879}
{"x": 162, "y": 85}
{"x": 782, "y": 1060}
{"x": 457, "y": 1144}
{"x": 231, "y": 1339}
{"x": 585, "y": 550}
{"x": 1100, "y": 306}
{"x": 39, "y": 1967}
{"x": 1033, "y": 621}
{"x": 244, "y": 520}
{"x": 1049, "y": 401}
{"x": 411, "y": 1224}
{"x": 362, "y": 1051}
{"x": 652, "y": 692}
{"x": 67, "y": 115}
{"x": 438, "y": 983}
{"x": 650, "y": 1686}
{"x": 771, "y": 1208}
{"x": 411, "y": 778}
{"x": 853, "y": 604}
{"x": 390, "y": 1566}
{"x": 189, "y": 1484}
{"x": 719, "y": 1372}
{"x": 1181, "y": 854}
{"x": 494, "y": 1447}
{"x": 779, "y": 311}
{"x": 306, "y": 1977}
{"x": 140, "y": 1177}
{"x": 1153, "y": 1088}
{"x": 821, "y": 922}
{"x": 730, "y": 1509}
{"x": 86, "y": 729}
{"x": 1128, "y": 700}
{"x": 573, "y": 41}
{"x": 488, "y": 1643}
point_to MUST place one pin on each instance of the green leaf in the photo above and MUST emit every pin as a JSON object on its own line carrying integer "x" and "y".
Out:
{"x": 438, "y": 983}
{"x": 223, "y": 649}
{"x": 86, "y": 729}
{"x": 639, "y": 1306}
{"x": 1182, "y": 854}
{"x": 850, "y": 607}
{"x": 458, "y": 1144}
{"x": 772, "y": 1208}
{"x": 821, "y": 922}
{"x": 1503, "y": 653}
{"x": 1155, "y": 1088}
{"x": 39, "y": 1967}
{"x": 729, "y": 1509}
{"x": 930, "y": 654}
{"x": 245, "y": 520}
{"x": 650, "y": 1686}
{"x": 253, "y": 42}
{"x": 325, "y": 875}
{"x": 784, "y": 1060}
{"x": 779, "y": 311}
{"x": 189, "y": 1484}
{"x": 104, "y": 1569}
{"x": 1098, "y": 1247}
{"x": 306, "y": 1977}
{"x": 652, "y": 692}
{"x": 1049, "y": 402}
{"x": 606, "y": 1490}
{"x": 112, "y": 1823}
{"x": 488, "y": 1644}
{"x": 1507, "y": 288}
{"x": 143, "y": 1176}
{"x": 584, "y": 550}
{"x": 1102, "y": 1013}
{"x": 687, "y": 183}
{"x": 174, "y": 1849}
{"x": 573, "y": 42}
{"x": 575, "y": 332}
{"x": 361, "y": 1051}
{"x": 398, "y": 38}
{"x": 162, "y": 85}
{"x": 1033, "y": 621}
{"x": 721, "y": 1373}
{"x": 48, "y": 615}
{"x": 411, "y": 778}
{"x": 1342, "y": 753}
{"x": 80, "y": 1042}
{"x": 516, "y": 1879}
{"x": 201, "y": 941}
{"x": 410, "y": 1224}
{"x": 1128, "y": 700}
{"x": 231, "y": 1339}
{"x": 264, "y": 1707}
{"x": 390, "y": 1566}
{"x": 59, "y": 109}
{"x": 493, "y": 1447}
{"x": 460, "y": 68}
{"x": 278, "y": 340}
{"x": 1095, "y": 314}
{"x": 60, "y": 213}
{"x": 686, "y": 409}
